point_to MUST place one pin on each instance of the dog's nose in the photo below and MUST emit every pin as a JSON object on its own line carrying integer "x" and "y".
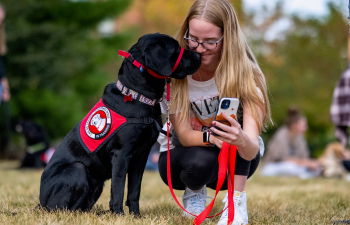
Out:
{"x": 195, "y": 55}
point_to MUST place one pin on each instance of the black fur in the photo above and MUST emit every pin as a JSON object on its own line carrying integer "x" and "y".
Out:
{"x": 35, "y": 137}
{"x": 72, "y": 180}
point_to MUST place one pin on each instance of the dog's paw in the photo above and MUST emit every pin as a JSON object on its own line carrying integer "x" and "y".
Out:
{"x": 118, "y": 212}
{"x": 104, "y": 212}
{"x": 135, "y": 214}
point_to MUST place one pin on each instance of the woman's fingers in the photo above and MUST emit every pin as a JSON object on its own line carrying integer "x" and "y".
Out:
{"x": 230, "y": 119}
{"x": 227, "y": 133}
{"x": 224, "y": 136}
{"x": 221, "y": 126}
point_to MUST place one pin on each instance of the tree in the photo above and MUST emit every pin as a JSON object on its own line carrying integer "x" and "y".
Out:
{"x": 302, "y": 68}
{"x": 162, "y": 16}
{"x": 55, "y": 59}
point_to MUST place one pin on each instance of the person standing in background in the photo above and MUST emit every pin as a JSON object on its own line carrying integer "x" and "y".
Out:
{"x": 4, "y": 85}
{"x": 340, "y": 108}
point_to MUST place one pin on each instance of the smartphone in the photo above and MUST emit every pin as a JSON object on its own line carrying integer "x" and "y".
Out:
{"x": 229, "y": 106}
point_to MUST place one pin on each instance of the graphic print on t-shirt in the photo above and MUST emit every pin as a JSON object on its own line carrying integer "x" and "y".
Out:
{"x": 203, "y": 111}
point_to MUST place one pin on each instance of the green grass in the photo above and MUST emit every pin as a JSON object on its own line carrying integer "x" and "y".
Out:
{"x": 270, "y": 201}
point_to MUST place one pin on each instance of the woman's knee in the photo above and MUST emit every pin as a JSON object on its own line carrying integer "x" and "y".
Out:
{"x": 200, "y": 170}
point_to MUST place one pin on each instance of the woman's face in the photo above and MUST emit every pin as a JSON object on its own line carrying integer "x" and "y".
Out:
{"x": 201, "y": 30}
{"x": 300, "y": 127}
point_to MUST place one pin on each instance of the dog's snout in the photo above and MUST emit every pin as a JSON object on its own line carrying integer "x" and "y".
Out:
{"x": 196, "y": 59}
{"x": 197, "y": 56}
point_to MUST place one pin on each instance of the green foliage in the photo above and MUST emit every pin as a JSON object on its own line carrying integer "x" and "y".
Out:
{"x": 55, "y": 61}
{"x": 302, "y": 70}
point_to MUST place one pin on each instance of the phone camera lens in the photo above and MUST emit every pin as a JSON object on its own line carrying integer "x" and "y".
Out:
{"x": 225, "y": 104}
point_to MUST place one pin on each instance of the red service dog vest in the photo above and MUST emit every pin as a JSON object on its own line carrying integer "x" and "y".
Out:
{"x": 98, "y": 126}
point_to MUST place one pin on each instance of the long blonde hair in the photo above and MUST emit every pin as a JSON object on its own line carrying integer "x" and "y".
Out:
{"x": 238, "y": 73}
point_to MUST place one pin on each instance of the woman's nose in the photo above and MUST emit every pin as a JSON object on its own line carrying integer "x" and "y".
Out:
{"x": 201, "y": 49}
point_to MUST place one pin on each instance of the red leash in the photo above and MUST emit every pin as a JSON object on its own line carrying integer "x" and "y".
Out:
{"x": 227, "y": 161}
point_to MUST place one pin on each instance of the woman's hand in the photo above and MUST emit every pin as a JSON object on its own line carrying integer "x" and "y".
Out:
{"x": 246, "y": 140}
{"x": 215, "y": 141}
{"x": 232, "y": 135}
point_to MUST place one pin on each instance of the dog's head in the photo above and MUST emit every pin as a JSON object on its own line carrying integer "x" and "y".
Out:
{"x": 161, "y": 52}
{"x": 333, "y": 151}
{"x": 32, "y": 132}
{"x": 158, "y": 53}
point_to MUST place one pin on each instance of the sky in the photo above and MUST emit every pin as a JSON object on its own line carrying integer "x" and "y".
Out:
{"x": 304, "y": 8}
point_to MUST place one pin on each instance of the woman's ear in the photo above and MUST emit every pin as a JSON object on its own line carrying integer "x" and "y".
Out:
{"x": 158, "y": 60}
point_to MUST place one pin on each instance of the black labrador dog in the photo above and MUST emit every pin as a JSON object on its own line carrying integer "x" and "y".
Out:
{"x": 37, "y": 144}
{"x": 115, "y": 138}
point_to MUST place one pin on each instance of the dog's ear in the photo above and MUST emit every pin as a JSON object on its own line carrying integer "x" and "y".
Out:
{"x": 157, "y": 58}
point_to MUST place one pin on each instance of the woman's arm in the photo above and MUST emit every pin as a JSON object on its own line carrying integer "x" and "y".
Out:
{"x": 312, "y": 164}
{"x": 246, "y": 140}
{"x": 5, "y": 90}
{"x": 189, "y": 137}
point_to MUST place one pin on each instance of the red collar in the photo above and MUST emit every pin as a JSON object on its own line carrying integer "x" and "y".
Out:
{"x": 142, "y": 67}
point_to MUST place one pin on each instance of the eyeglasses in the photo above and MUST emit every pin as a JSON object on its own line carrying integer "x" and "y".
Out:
{"x": 206, "y": 44}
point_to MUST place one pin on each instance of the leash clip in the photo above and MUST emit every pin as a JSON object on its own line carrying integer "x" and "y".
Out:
{"x": 168, "y": 103}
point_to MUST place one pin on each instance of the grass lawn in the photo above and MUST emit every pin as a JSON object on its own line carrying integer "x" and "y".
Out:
{"x": 270, "y": 201}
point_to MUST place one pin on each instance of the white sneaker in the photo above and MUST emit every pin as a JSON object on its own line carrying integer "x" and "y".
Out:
{"x": 194, "y": 202}
{"x": 241, "y": 215}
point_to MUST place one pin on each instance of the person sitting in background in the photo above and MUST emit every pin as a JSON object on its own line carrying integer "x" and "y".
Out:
{"x": 153, "y": 157}
{"x": 287, "y": 151}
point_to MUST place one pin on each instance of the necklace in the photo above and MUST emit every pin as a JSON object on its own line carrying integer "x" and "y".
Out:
{"x": 205, "y": 88}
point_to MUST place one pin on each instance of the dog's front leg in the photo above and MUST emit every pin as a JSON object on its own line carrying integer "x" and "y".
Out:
{"x": 135, "y": 173}
{"x": 120, "y": 164}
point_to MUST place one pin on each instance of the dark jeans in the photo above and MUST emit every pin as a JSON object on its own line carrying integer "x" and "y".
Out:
{"x": 0, "y": 93}
{"x": 346, "y": 164}
{"x": 194, "y": 167}
{"x": 2, "y": 75}
{"x": 2, "y": 69}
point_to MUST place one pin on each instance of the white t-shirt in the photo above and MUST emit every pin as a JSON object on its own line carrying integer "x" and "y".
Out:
{"x": 204, "y": 100}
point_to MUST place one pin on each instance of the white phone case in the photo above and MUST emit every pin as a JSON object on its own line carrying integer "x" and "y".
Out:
{"x": 231, "y": 110}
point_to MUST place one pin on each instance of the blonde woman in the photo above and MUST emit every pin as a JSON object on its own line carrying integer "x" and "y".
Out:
{"x": 228, "y": 69}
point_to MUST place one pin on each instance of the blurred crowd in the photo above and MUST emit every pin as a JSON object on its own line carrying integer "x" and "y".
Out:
{"x": 288, "y": 154}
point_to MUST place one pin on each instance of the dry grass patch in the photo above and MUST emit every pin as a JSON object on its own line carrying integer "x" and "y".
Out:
{"x": 270, "y": 201}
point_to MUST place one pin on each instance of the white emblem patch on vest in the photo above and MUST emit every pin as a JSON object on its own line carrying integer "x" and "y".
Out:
{"x": 99, "y": 123}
